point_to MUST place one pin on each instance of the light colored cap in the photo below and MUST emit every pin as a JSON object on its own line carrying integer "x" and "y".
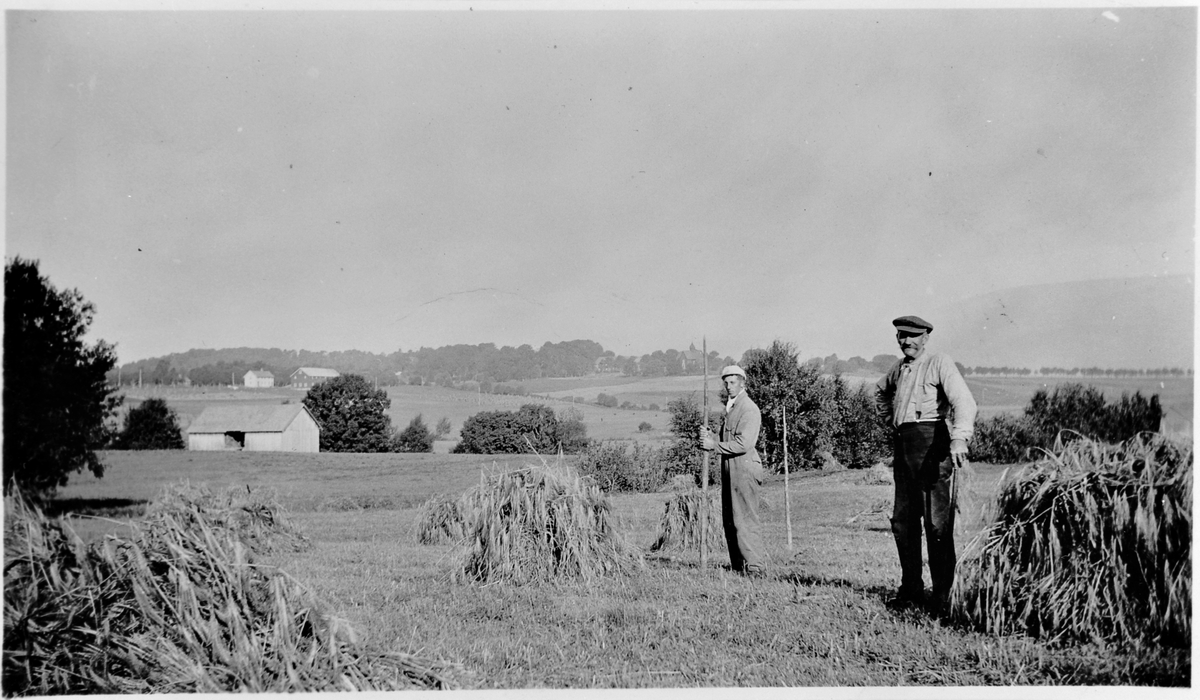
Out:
{"x": 733, "y": 369}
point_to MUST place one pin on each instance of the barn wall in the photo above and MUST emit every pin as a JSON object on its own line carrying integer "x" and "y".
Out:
{"x": 302, "y": 435}
{"x": 264, "y": 442}
{"x": 206, "y": 441}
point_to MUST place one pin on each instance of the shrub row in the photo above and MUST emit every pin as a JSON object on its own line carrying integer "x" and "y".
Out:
{"x": 1078, "y": 409}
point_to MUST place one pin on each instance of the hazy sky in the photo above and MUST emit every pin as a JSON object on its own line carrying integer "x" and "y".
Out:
{"x": 395, "y": 179}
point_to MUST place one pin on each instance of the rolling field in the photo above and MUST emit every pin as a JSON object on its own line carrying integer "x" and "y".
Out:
{"x": 993, "y": 394}
{"x": 818, "y": 619}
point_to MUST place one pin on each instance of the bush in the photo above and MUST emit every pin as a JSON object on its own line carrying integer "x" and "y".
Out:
{"x": 1002, "y": 439}
{"x": 150, "y": 426}
{"x": 1083, "y": 409}
{"x": 572, "y": 432}
{"x": 415, "y": 438}
{"x": 645, "y": 427}
{"x": 532, "y": 428}
{"x": 606, "y": 400}
{"x": 1077, "y": 409}
{"x": 623, "y": 467}
{"x": 860, "y": 436}
{"x": 443, "y": 428}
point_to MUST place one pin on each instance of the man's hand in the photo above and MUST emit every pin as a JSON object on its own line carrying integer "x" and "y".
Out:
{"x": 958, "y": 452}
{"x": 706, "y": 440}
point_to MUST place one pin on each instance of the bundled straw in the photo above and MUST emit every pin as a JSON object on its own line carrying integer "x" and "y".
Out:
{"x": 440, "y": 521}
{"x": 1093, "y": 542}
{"x": 176, "y": 607}
{"x": 540, "y": 523}
{"x": 257, "y": 518}
{"x": 679, "y": 529}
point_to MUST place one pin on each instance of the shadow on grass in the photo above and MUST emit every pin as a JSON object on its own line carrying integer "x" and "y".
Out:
{"x": 97, "y": 507}
{"x": 883, "y": 593}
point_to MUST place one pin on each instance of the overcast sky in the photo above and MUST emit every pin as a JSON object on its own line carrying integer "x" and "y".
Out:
{"x": 390, "y": 180}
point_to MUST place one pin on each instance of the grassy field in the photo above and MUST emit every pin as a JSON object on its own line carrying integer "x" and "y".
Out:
{"x": 819, "y": 619}
{"x": 994, "y": 395}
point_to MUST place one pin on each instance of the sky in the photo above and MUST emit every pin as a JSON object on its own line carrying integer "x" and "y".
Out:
{"x": 387, "y": 180}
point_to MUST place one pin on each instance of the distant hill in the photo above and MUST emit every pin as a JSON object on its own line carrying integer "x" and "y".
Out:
{"x": 1111, "y": 323}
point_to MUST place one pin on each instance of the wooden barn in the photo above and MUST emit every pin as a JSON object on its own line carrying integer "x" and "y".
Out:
{"x": 259, "y": 379}
{"x": 308, "y": 377}
{"x": 257, "y": 428}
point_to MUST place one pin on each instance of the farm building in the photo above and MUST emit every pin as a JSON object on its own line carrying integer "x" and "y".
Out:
{"x": 257, "y": 428}
{"x": 308, "y": 377}
{"x": 691, "y": 359}
{"x": 259, "y": 379}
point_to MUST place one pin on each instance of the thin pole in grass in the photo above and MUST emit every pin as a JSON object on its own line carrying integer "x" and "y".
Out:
{"x": 704, "y": 471}
{"x": 787, "y": 494}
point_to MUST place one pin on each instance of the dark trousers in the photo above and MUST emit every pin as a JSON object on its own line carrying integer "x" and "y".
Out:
{"x": 739, "y": 514}
{"x": 922, "y": 470}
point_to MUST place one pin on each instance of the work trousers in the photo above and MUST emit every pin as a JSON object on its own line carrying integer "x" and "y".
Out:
{"x": 922, "y": 469}
{"x": 739, "y": 514}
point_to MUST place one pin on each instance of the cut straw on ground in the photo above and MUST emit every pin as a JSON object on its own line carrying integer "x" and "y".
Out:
{"x": 179, "y": 606}
{"x": 1092, "y": 542}
{"x": 537, "y": 523}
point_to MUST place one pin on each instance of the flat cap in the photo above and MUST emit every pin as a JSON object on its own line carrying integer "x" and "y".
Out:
{"x": 913, "y": 324}
{"x": 733, "y": 369}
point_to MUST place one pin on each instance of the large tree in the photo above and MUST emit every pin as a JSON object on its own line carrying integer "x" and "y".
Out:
{"x": 776, "y": 380}
{"x": 56, "y": 400}
{"x": 353, "y": 416}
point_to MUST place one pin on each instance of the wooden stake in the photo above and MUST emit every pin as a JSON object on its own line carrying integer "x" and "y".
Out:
{"x": 787, "y": 495}
{"x": 704, "y": 473}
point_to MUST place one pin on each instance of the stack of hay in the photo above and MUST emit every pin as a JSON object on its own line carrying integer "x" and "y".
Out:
{"x": 1093, "y": 542}
{"x": 177, "y": 606}
{"x": 679, "y": 529}
{"x": 537, "y": 523}
{"x": 439, "y": 521}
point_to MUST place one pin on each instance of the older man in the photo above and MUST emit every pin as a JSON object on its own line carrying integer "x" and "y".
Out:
{"x": 741, "y": 474}
{"x": 924, "y": 398}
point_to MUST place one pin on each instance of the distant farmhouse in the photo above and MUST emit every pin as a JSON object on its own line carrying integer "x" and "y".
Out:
{"x": 259, "y": 379}
{"x": 261, "y": 428}
{"x": 308, "y": 377}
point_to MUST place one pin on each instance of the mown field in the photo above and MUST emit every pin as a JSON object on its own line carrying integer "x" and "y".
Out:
{"x": 819, "y": 619}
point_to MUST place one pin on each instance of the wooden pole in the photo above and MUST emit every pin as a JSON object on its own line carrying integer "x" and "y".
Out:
{"x": 787, "y": 494}
{"x": 704, "y": 474}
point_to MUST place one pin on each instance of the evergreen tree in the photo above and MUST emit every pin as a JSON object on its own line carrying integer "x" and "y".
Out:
{"x": 415, "y": 438}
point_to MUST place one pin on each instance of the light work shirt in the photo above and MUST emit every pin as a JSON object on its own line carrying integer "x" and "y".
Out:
{"x": 927, "y": 389}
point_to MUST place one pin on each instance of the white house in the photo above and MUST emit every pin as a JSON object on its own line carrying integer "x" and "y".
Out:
{"x": 256, "y": 428}
{"x": 259, "y": 379}
{"x": 308, "y": 377}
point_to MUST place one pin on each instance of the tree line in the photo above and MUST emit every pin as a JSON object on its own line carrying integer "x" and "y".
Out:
{"x": 449, "y": 365}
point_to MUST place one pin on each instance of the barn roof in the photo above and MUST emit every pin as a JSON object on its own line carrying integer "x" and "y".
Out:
{"x": 255, "y": 418}
{"x": 317, "y": 372}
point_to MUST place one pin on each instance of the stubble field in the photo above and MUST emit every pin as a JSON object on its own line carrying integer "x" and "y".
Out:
{"x": 818, "y": 619}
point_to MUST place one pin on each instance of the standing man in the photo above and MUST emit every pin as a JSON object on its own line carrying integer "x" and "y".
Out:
{"x": 924, "y": 398}
{"x": 741, "y": 474}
